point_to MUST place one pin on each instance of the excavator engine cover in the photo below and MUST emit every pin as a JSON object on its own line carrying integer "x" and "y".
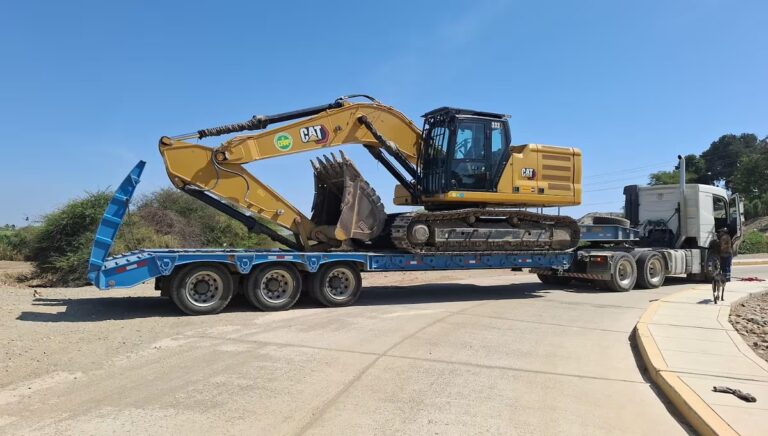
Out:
{"x": 345, "y": 205}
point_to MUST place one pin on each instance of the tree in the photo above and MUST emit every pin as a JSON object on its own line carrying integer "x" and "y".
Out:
{"x": 721, "y": 159}
{"x": 751, "y": 177}
{"x": 694, "y": 169}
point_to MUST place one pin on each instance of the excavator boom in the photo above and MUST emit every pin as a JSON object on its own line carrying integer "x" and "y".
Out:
{"x": 217, "y": 176}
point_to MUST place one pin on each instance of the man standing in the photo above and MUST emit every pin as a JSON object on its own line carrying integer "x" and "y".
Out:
{"x": 726, "y": 252}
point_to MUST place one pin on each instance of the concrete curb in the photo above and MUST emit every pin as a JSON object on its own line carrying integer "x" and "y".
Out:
{"x": 750, "y": 262}
{"x": 695, "y": 410}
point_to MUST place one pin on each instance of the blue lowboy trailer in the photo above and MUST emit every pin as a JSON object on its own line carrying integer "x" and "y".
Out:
{"x": 202, "y": 281}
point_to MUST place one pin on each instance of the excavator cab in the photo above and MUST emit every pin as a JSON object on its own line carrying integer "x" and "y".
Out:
{"x": 463, "y": 150}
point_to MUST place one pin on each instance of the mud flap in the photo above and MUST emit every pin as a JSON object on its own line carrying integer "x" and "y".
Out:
{"x": 345, "y": 205}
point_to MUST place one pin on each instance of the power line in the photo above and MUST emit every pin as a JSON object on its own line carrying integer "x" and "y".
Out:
{"x": 602, "y": 182}
{"x": 625, "y": 170}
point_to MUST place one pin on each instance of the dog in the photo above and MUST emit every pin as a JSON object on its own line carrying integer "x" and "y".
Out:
{"x": 718, "y": 286}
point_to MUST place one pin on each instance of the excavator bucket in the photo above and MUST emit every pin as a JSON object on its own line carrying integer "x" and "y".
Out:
{"x": 345, "y": 205}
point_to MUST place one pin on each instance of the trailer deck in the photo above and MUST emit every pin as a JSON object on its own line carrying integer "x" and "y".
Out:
{"x": 130, "y": 269}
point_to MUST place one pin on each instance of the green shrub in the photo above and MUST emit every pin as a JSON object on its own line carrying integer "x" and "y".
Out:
{"x": 14, "y": 244}
{"x": 195, "y": 224}
{"x": 60, "y": 246}
{"x": 754, "y": 242}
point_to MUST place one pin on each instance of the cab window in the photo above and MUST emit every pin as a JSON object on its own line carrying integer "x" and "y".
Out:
{"x": 719, "y": 208}
{"x": 469, "y": 167}
{"x": 720, "y": 211}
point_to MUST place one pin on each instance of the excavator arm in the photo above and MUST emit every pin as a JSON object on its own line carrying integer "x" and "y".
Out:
{"x": 217, "y": 176}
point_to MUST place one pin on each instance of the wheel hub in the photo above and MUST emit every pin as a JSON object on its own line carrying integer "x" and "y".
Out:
{"x": 334, "y": 282}
{"x": 339, "y": 284}
{"x": 276, "y": 286}
{"x": 273, "y": 284}
{"x": 204, "y": 288}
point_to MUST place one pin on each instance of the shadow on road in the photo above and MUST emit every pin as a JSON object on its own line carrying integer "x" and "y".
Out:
{"x": 456, "y": 292}
{"x": 115, "y": 309}
{"x": 100, "y": 309}
{"x": 125, "y": 308}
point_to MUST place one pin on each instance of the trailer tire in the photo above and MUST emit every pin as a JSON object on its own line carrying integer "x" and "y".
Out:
{"x": 623, "y": 273}
{"x": 610, "y": 220}
{"x": 550, "y": 279}
{"x": 201, "y": 289}
{"x": 273, "y": 287}
{"x": 336, "y": 285}
{"x": 650, "y": 270}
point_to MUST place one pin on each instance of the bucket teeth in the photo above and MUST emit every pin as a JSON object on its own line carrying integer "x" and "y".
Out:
{"x": 331, "y": 168}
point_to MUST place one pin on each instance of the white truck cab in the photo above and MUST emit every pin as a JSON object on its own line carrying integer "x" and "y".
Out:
{"x": 655, "y": 211}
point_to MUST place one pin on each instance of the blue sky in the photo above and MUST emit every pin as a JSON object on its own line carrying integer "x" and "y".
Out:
{"x": 87, "y": 88}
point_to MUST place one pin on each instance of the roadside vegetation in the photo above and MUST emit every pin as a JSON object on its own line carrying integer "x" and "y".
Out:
{"x": 754, "y": 242}
{"x": 60, "y": 244}
{"x": 737, "y": 162}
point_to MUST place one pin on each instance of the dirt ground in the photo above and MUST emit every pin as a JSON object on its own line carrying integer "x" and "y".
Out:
{"x": 114, "y": 325}
{"x": 750, "y": 319}
{"x": 470, "y": 352}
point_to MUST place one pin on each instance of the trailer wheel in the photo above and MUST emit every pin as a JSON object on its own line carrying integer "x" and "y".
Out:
{"x": 623, "y": 273}
{"x": 550, "y": 279}
{"x": 202, "y": 289}
{"x": 336, "y": 284}
{"x": 651, "y": 272}
{"x": 273, "y": 287}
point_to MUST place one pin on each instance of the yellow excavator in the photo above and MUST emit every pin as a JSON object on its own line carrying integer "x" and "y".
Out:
{"x": 472, "y": 185}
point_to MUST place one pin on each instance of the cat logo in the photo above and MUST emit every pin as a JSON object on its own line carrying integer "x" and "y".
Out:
{"x": 318, "y": 134}
{"x": 528, "y": 173}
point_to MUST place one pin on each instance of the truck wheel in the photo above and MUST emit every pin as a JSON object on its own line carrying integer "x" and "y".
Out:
{"x": 610, "y": 220}
{"x": 623, "y": 273}
{"x": 650, "y": 270}
{"x": 336, "y": 285}
{"x": 273, "y": 287}
{"x": 554, "y": 280}
{"x": 201, "y": 289}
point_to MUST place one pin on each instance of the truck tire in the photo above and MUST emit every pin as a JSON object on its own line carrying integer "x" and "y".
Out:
{"x": 273, "y": 287}
{"x": 650, "y": 270}
{"x": 201, "y": 289}
{"x": 610, "y": 220}
{"x": 623, "y": 273}
{"x": 550, "y": 279}
{"x": 335, "y": 285}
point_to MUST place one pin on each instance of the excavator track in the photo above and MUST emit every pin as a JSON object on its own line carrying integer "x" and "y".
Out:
{"x": 482, "y": 230}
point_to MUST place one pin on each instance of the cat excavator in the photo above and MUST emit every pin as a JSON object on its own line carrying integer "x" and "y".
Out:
{"x": 472, "y": 186}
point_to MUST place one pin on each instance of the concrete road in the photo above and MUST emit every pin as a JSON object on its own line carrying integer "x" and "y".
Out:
{"x": 460, "y": 353}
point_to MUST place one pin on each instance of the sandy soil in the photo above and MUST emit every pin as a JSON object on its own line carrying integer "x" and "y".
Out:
{"x": 42, "y": 330}
{"x": 750, "y": 319}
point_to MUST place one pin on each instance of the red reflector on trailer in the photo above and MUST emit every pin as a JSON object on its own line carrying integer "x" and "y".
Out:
{"x": 598, "y": 259}
{"x": 125, "y": 268}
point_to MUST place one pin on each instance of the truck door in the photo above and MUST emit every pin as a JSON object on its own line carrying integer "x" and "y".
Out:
{"x": 736, "y": 219}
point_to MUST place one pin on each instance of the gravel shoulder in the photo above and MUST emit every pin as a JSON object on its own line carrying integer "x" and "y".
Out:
{"x": 750, "y": 319}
